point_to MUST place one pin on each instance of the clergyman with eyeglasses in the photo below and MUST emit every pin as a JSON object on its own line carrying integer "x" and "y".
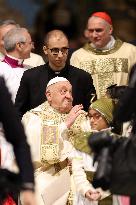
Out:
{"x": 17, "y": 45}
{"x": 31, "y": 92}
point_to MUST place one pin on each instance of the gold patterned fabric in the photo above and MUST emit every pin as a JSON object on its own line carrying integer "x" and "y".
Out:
{"x": 50, "y": 150}
{"x": 49, "y": 143}
{"x": 107, "y": 67}
{"x": 57, "y": 166}
{"x": 103, "y": 70}
{"x": 118, "y": 44}
{"x": 70, "y": 198}
{"x": 81, "y": 143}
{"x": 51, "y": 146}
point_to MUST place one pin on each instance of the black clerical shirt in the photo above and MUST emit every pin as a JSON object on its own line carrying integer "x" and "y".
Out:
{"x": 31, "y": 92}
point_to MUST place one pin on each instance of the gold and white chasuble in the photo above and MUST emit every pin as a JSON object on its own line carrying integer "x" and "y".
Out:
{"x": 51, "y": 145}
{"x": 107, "y": 67}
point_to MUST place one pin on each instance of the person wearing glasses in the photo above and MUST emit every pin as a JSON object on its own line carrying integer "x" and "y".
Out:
{"x": 18, "y": 45}
{"x": 31, "y": 92}
{"x": 7, "y": 25}
{"x": 100, "y": 117}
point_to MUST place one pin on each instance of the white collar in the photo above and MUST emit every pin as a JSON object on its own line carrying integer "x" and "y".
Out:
{"x": 20, "y": 61}
{"x": 109, "y": 45}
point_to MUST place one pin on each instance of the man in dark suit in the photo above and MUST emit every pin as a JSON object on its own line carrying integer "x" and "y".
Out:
{"x": 32, "y": 88}
{"x": 14, "y": 133}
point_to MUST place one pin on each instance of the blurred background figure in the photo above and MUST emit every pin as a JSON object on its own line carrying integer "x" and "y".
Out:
{"x": 14, "y": 133}
{"x": 27, "y": 12}
{"x": 57, "y": 15}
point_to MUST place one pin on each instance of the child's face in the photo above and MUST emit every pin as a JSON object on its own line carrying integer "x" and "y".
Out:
{"x": 97, "y": 121}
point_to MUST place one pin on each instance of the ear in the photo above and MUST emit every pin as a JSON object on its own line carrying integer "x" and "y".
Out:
{"x": 45, "y": 50}
{"x": 86, "y": 33}
{"x": 111, "y": 29}
{"x": 19, "y": 46}
{"x": 48, "y": 95}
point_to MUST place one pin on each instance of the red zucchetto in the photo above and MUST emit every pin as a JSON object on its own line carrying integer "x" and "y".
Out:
{"x": 104, "y": 16}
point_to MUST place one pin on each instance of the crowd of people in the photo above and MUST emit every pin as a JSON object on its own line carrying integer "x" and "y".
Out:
{"x": 60, "y": 105}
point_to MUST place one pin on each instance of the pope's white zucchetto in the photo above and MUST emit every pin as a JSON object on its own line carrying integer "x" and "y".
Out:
{"x": 56, "y": 80}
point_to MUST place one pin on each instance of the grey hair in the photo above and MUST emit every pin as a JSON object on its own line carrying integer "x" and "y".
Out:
{"x": 9, "y": 22}
{"x": 15, "y": 35}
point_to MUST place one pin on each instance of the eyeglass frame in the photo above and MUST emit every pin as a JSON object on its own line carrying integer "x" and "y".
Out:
{"x": 96, "y": 116}
{"x": 24, "y": 42}
{"x": 58, "y": 50}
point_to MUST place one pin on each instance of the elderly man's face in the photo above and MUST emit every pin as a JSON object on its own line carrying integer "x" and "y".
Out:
{"x": 98, "y": 32}
{"x": 60, "y": 97}
{"x": 97, "y": 121}
{"x": 57, "y": 52}
{"x": 26, "y": 46}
